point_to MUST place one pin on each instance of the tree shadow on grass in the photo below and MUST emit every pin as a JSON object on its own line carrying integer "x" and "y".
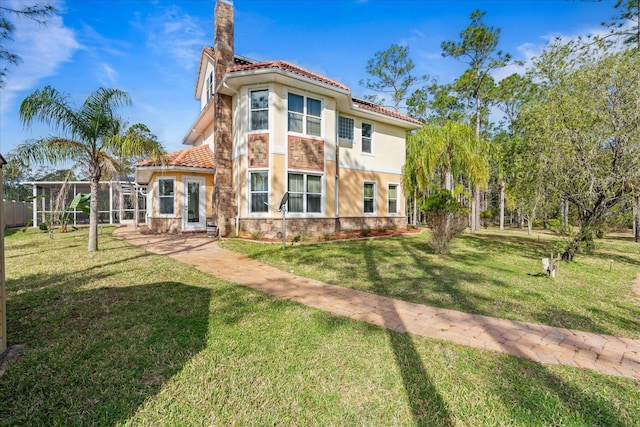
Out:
{"x": 533, "y": 393}
{"x": 427, "y": 406}
{"x": 93, "y": 357}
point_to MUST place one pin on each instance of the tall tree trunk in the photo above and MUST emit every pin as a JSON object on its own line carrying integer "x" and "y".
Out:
{"x": 566, "y": 215}
{"x": 502, "y": 185}
{"x": 448, "y": 181}
{"x": 415, "y": 206}
{"x": 474, "y": 205}
{"x": 478, "y": 198}
{"x": 636, "y": 220}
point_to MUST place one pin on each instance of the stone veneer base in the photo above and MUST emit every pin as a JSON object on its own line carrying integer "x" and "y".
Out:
{"x": 272, "y": 227}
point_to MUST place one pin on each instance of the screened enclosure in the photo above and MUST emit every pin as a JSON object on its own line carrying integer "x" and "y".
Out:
{"x": 116, "y": 202}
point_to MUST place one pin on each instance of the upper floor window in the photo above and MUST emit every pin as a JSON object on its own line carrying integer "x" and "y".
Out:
{"x": 305, "y": 193}
{"x": 166, "y": 196}
{"x": 305, "y": 115}
{"x": 210, "y": 87}
{"x": 259, "y": 190}
{"x": 369, "y": 197}
{"x": 393, "y": 199}
{"x": 259, "y": 109}
{"x": 345, "y": 128}
{"x": 367, "y": 133}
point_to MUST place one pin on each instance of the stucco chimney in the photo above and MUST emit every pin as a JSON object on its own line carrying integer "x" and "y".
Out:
{"x": 224, "y": 207}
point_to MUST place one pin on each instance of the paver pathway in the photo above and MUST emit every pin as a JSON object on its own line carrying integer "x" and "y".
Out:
{"x": 545, "y": 344}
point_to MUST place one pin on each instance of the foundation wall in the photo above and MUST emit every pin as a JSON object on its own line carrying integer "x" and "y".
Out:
{"x": 269, "y": 227}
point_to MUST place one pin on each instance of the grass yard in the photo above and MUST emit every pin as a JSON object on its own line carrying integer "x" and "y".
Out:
{"x": 124, "y": 337}
{"x": 490, "y": 273}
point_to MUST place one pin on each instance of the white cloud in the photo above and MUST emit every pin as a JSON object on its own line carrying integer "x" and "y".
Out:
{"x": 42, "y": 49}
{"x": 175, "y": 33}
{"x": 108, "y": 76}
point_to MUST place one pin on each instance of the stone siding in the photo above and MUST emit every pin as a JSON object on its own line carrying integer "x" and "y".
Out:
{"x": 272, "y": 227}
{"x": 224, "y": 207}
{"x": 165, "y": 225}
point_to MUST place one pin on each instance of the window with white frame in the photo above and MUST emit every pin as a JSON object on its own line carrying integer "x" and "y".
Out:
{"x": 392, "y": 198}
{"x": 259, "y": 119}
{"x": 305, "y": 115}
{"x": 259, "y": 189}
{"x": 166, "y": 196}
{"x": 369, "y": 197}
{"x": 367, "y": 134}
{"x": 305, "y": 193}
{"x": 345, "y": 128}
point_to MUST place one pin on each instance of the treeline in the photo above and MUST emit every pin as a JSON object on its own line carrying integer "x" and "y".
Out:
{"x": 555, "y": 146}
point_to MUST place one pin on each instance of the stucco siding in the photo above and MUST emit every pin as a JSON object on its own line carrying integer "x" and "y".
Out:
{"x": 153, "y": 207}
{"x": 352, "y": 192}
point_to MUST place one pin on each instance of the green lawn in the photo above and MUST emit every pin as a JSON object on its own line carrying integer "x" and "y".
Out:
{"x": 124, "y": 337}
{"x": 490, "y": 273}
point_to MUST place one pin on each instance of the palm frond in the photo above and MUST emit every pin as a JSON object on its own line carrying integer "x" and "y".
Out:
{"x": 50, "y": 107}
{"x": 53, "y": 150}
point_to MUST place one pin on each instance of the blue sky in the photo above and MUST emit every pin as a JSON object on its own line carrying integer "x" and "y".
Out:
{"x": 151, "y": 48}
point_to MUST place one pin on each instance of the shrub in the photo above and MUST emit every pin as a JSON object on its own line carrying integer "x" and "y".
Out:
{"x": 554, "y": 225}
{"x": 365, "y": 232}
{"x": 327, "y": 236}
{"x": 446, "y": 217}
{"x": 43, "y": 226}
{"x": 257, "y": 235}
{"x": 486, "y": 217}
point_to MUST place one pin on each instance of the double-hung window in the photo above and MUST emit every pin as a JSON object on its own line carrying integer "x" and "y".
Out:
{"x": 259, "y": 189}
{"x": 393, "y": 199}
{"x": 369, "y": 197}
{"x": 259, "y": 110}
{"x": 367, "y": 134}
{"x": 345, "y": 128}
{"x": 166, "y": 196}
{"x": 305, "y": 115}
{"x": 305, "y": 193}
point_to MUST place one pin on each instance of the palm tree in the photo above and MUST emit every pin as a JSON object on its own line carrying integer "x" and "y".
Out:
{"x": 448, "y": 151}
{"x": 93, "y": 137}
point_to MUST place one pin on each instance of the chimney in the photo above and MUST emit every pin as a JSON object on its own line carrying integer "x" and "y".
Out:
{"x": 224, "y": 207}
{"x": 222, "y": 38}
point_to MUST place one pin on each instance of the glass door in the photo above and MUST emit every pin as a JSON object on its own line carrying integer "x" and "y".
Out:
{"x": 194, "y": 212}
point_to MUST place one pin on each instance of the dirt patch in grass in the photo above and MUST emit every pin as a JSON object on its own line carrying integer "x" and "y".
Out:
{"x": 10, "y": 355}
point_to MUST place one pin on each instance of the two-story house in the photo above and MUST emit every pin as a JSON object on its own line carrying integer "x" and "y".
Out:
{"x": 272, "y": 128}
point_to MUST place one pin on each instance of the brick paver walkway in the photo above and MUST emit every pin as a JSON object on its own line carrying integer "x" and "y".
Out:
{"x": 545, "y": 344}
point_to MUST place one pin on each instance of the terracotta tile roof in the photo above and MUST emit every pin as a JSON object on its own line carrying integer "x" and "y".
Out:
{"x": 237, "y": 59}
{"x": 195, "y": 157}
{"x": 246, "y": 64}
{"x": 286, "y": 66}
{"x": 365, "y": 105}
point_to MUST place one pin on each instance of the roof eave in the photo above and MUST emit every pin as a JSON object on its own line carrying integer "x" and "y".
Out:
{"x": 227, "y": 86}
{"x": 144, "y": 173}
{"x": 198, "y": 126}
{"x": 408, "y": 125}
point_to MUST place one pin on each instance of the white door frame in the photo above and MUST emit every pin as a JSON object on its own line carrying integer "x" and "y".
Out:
{"x": 202, "y": 208}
